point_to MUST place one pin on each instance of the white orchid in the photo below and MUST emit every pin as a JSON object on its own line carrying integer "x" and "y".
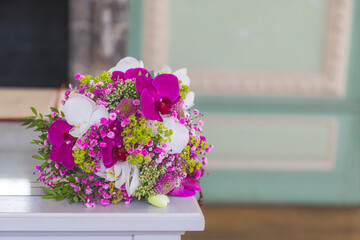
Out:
{"x": 121, "y": 173}
{"x": 82, "y": 112}
{"x": 179, "y": 138}
{"x": 182, "y": 75}
{"x": 126, "y": 64}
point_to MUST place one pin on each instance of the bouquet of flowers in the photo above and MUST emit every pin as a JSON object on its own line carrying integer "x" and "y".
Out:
{"x": 128, "y": 133}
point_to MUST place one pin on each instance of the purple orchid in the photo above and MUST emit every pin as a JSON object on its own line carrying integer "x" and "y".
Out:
{"x": 62, "y": 143}
{"x": 112, "y": 153}
{"x": 129, "y": 74}
{"x": 157, "y": 95}
{"x": 187, "y": 188}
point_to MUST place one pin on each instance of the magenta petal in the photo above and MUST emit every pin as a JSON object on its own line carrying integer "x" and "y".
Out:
{"x": 68, "y": 160}
{"x": 108, "y": 160}
{"x": 182, "y": 192}
{"x": 191, "y": 184}
{"x": 63, "y": 155}
{"x": 117, "y": 75}
{"x": 57, "y": 132}
{"x": 134, "y": 72}
{"x": 142, "y": 83}
{"x": 55, "y": 154}
{"x": 167, "y": 85}
{"x": 148, "y": 107}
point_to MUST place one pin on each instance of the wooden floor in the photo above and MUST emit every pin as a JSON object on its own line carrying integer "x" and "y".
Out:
{"x": 280, "y": 223}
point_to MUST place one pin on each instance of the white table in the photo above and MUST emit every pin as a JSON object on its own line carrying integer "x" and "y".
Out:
{"x": 32, "y": 217}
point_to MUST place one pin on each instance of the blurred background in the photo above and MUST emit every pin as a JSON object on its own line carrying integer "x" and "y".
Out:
{"x": 278, "y": 82}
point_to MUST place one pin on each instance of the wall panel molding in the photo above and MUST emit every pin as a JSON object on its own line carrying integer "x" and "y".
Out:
{"x": 272, "y": 143}
{"x": 329, "y": 83}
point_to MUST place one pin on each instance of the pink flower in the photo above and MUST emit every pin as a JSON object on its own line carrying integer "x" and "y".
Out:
{"x": 53, "y": 114}
{"x": 79, "y": 76}
{"x": 105, "y": 202}
{"x": 112, "y": 116}
{"x": 187, "y": 188}
{"x": 201, "y": 123}
{"x": 136, "y": 102}
{"x": 111, "y": 135}
{"x": 125, "y": 122}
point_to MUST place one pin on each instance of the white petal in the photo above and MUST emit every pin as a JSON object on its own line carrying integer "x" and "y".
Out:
{"x": 180, "y": 137}
{"x": 135, "y": 183}
{"x": 79, "y": 131}
{"x": 110, "y": 175}
{"x": 125, "y": 173}
{"x": 78, "y": 109}
{"x": 181, "y": 74}
{"x": 117, "y": 169}
{"x": 189, "y": 100}
{"x": 165, "y": 69}
{"x": 118, "y": 184}
{"x": 127, "y": 63}
{"x": 99, "y": 112}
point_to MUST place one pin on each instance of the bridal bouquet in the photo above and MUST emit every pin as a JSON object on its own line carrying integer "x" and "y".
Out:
{"x": 128, "y": 133}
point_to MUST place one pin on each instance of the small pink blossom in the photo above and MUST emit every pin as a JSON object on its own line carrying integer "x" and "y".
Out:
{"x": 197, "y": 173}
{"x": 105, "y": 202}
{"x": 88, "y": 191}
{"x": 53, "y": 114}
{"x": 182, "y": 121}
{"x": 201, "y": 123}
{"x": 112, "y": 116}
{"x": 103, "y": 144}
{"x": 111, "y": 135}
{"x": 46, "y": 142}
{"x": 93, "y": 143}
{"x": 136, "y": 102}
{"x": 196, "y": 111}
{"x": 204, "y": 161}
{"x": 79, "y": 76}
{"x": 104, "y": 121}
{"x": 174, "y": 114}
{"x": 125, "y": 122}
{"x": 91, "y": 153}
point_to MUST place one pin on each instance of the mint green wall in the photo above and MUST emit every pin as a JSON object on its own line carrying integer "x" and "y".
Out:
{"x": 340, "y": 186}
{"x": 216, "y": 22}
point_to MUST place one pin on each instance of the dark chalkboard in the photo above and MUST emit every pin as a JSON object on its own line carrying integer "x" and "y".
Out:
{"x": 33, "y": 43}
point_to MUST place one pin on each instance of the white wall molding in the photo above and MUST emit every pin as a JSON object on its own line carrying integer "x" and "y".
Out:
{"x": 330, "y": 83}
{"x": 277, "y": 162}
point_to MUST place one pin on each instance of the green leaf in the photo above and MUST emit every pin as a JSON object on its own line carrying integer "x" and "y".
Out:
{"x": 59, "y": 198}
{"x": 75, "y": 199}
{"x": 54, "y": 110}
{"x": 25, "y": 123}
{"x": 48, "y": 190}
{"x": 34, "y": 111}
{"x": 48, "y": 196}
{"x": 38, "y": 157}
{"x": 30, "y": 117}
